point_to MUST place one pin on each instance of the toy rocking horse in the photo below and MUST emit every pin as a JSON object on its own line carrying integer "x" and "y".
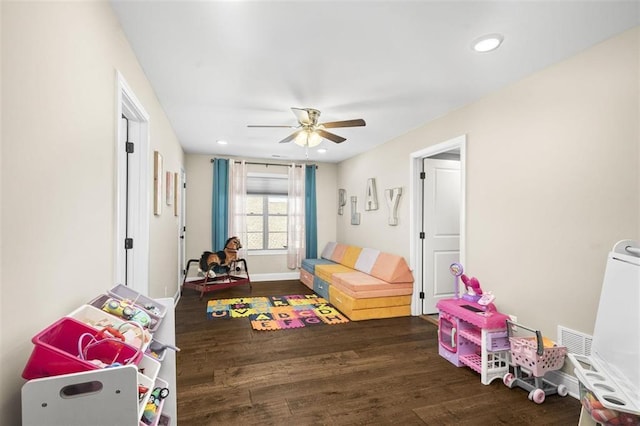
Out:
{"x": 216, "y": 262}
{"x": 222, "y": 262}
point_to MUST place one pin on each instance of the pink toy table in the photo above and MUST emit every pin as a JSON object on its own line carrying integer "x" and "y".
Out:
{"x": 470, "y": 336}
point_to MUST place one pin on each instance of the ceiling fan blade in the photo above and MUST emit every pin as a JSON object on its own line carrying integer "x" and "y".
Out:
{"x": 260, "y": 125}
{"x": 302, "y": 115}
{"x": 291, "y": 137}
{"x": 346, "y": 123}
{"x": 330, "y": 136}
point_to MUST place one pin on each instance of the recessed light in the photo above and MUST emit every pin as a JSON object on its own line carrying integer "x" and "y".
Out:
{"x": 322, "y": 150}
{"x": 221, "y": 142}
{"x": 487, "y": 43}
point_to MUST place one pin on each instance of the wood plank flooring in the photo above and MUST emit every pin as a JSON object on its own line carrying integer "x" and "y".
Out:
{"x": 376, "y": 372}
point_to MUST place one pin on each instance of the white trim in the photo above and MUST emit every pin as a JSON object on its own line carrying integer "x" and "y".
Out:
{"x": 128, "y": 104}
{"x": 278, "y": 276}
{"x": 459, "y": 142}
{"x": 274, "y": 252}
{"x": 559, "y": 377}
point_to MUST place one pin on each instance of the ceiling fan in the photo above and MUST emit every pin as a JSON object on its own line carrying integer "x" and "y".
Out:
{"x": 310, "y": 132}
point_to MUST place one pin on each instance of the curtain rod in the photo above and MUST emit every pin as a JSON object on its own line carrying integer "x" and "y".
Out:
{"x": 272, "y": 164}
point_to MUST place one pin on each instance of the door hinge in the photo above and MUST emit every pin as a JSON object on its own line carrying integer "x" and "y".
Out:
{"x": 423, "y": 175}
{"x": 128, "y": 243}
{"x": 184, "y": 185}
{"x": 129, "y": 147}
{"x": 422, "y": 295}
{"x": 422, "y": 235}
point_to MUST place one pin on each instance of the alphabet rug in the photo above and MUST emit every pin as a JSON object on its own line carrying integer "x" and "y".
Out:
{"x": 277, "y": 312}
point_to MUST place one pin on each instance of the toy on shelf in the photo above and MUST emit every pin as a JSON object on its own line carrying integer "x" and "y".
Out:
{"x": 456, "y": 270}
{"x": 128, "y": 311}
{"x": 536, "y": 355}
{"x": 153, "y": 405}
{"x": 474, "y": 292}
{"x": 603, "y": 415}
{"x": 157, "y": 349}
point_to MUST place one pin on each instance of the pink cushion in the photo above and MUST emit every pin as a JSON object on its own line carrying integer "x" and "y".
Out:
{"x": 392, "y": 268}
{"x": 338, "y": 253}
{"x": 357, "y": 282}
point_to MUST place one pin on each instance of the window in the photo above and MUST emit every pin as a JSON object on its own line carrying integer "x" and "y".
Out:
{"x": 266, "y": 211}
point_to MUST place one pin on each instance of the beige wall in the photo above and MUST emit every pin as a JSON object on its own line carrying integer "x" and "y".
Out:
{"x": 262, "y": 267}
{"x": 59, "y": 63}
{"x": 552, "y": 183}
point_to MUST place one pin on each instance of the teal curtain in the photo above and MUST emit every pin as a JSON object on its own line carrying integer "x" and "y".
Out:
{"x": 220, "y": 204}
{"x": 310, "y": 219}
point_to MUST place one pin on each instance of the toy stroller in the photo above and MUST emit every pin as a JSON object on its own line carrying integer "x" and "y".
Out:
{"x": 537, "y": 356}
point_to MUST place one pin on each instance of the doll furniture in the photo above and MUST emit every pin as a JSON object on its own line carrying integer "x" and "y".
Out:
{"x": 475, "y": 336}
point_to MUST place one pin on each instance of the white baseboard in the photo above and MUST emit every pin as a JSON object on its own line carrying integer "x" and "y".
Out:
{"x": 279, "y": 276}
{"x": 559, "y": 377}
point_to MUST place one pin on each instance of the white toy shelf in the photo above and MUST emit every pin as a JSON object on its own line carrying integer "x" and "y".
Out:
{"x": 107, "y": 396}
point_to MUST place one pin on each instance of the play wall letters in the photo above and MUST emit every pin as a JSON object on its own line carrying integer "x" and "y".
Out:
{"x": 342, "y": 200}
{"x": 371, "y": 201}
{"x": 355, "y": 216}
{"x": 392, "y": 197}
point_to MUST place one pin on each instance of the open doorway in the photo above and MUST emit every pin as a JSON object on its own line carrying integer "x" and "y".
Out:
{"x": 132, "y": 195}
{"x": 437, "y": 221}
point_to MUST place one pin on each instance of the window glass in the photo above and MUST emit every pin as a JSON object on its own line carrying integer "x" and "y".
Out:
{"x": 266, "y": 212}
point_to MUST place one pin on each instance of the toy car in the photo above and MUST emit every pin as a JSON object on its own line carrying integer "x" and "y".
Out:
{"x": 118, "y": 308}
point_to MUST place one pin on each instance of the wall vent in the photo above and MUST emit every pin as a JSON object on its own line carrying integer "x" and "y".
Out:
{"x": 576, "y": 342}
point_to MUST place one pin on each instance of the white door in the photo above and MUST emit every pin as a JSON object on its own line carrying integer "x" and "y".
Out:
{"x": 182, "y": 231}
{"x": 132, "y": 192}
{"x": 441, "y": 227}
{"x": 128, "y": 204}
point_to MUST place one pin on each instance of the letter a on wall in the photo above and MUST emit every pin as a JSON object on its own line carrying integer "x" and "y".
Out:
{"x": 371, "y": 202}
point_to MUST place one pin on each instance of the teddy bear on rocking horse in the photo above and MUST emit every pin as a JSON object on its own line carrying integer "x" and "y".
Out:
{"x": 220, "y": 261}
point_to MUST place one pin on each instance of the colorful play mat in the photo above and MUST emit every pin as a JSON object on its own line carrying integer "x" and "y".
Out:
{"x": 277, "y": 312}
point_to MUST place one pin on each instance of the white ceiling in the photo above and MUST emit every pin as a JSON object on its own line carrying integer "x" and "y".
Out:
{"x": 217, "y": 66}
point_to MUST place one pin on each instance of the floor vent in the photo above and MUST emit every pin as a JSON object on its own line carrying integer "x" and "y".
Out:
{"x": 575, "y": 341}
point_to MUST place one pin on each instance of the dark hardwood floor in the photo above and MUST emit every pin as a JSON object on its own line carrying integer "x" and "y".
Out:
{"x": 366, "y": 372}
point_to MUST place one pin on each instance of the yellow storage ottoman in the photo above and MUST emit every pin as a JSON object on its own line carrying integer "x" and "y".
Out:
{"x": 370, "y": 308}
{"x": 324, "y": 272}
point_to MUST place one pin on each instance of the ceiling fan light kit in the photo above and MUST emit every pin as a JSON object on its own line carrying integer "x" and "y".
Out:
{"x": 310, "y": 133}
{"x": 308, "y": 138}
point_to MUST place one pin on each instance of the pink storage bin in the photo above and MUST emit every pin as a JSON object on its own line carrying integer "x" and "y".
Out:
{"x": 56, "y": 351}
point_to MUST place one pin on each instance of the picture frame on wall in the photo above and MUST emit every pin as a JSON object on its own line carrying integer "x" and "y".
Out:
{"x": 176, "y": 191}
{"x": 169, "y": 188}
{"x": 157, "y": 183}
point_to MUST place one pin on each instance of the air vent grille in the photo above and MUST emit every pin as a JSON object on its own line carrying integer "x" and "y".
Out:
{"x": 576, "y": 342}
